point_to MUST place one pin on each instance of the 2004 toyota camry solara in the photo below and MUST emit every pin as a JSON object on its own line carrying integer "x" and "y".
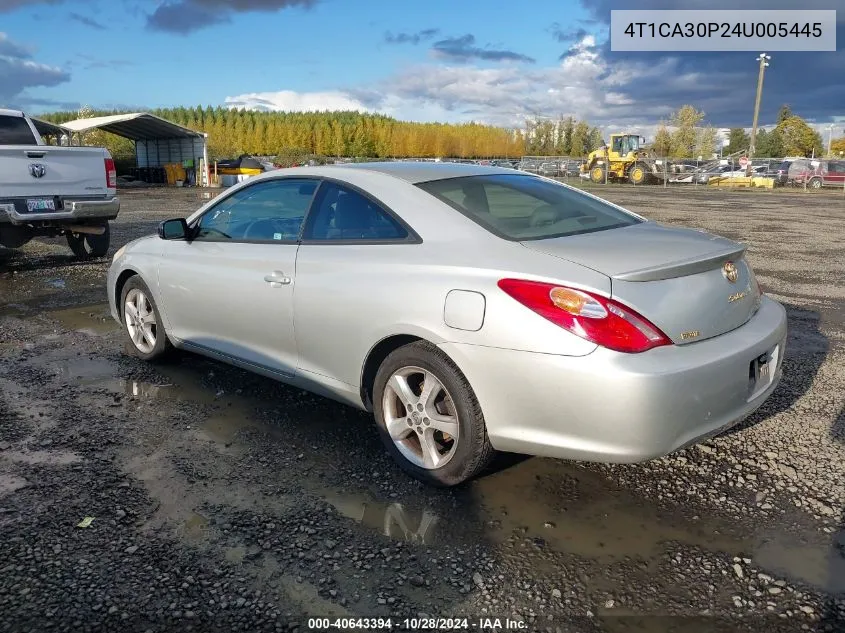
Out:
{"x": 471, "y": 309}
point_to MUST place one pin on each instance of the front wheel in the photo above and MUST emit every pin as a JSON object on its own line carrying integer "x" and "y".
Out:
{"x": 597, "y": 174}
{"x": 815, "y": 183}
{"x": 638, "y": 174}
{"x": 142, "y": 321}
{"x": 429, "y": 418}
{"x": 89, "y": 246}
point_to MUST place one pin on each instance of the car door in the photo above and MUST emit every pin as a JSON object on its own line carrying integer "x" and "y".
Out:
{"x": 229, "y": 289}
{"x": 835, "y": 176}
{"x": 351, "y": 244}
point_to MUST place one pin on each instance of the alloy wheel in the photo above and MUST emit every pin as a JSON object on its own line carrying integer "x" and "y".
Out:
{"x": 140, "y": 319}
{"x": 420, "y": 417}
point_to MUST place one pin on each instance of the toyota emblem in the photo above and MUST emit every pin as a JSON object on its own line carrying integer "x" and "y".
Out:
{"x": 37, "y": 170}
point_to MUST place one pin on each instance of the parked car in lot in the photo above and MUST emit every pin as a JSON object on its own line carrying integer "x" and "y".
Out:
{"x": 47, "y": 190}
{"x": 549, "y": 169}
{"x": 817, "y": 173}
{"x": 471, "y": 309}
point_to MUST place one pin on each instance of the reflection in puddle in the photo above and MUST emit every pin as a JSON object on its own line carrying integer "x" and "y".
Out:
{"x": 390, "y": 519}
{"x": 94, "y": 320}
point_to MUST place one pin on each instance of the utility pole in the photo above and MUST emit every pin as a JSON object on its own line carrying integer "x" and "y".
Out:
{"x": 829, "y": 139}
{"x": 764, "y": 61}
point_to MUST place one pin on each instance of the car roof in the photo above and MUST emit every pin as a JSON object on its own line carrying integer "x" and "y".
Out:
{"x": 5, "y": 112}
{"x": 416, "y": 172}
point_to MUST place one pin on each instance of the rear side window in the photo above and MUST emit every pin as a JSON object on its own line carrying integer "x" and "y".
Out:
{"x": 521, "y": 207}
{"x": 14, "y": 130}
{"x": 344, "y": 214}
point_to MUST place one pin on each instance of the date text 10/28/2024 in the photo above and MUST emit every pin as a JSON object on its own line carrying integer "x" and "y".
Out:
{"x": 417, "y": 624}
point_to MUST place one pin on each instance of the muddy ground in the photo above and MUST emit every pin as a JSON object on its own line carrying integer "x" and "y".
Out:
{"x": 225, "y": 501}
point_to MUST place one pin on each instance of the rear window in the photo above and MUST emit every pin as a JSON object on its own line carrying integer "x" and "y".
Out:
{"x": 14, "y": 130}
{"x": 521, "y": 207}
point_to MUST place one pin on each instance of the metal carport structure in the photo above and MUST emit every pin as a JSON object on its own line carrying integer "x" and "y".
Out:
{"x": 157, "y": 141}
{"x": 47, "y": 129}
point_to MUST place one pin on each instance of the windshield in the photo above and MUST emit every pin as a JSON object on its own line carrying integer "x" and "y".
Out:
{"x": 522, "y": 207}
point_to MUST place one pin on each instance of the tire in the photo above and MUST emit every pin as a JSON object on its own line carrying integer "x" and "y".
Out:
{"x": 465, "y": 455}
{"x": 86, "y": 246}
{"x": 815, "y": 183}
{"x": 597, "y": 174}
{"x": 133, "y": 290}
{"x": 638, "y": 174}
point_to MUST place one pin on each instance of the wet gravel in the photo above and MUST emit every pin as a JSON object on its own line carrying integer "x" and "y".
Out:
{"x": 222, "y": 501}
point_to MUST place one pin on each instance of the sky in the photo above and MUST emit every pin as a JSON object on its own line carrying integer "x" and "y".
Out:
{"x": 492, "y": 61}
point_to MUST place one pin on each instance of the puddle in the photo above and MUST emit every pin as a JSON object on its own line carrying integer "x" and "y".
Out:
{"x": 820, "y": 568}
{"x": 84, "y": 370}
{"x": 393, "y": 520}
{"x": 194, "y": 528}
{"x": 94, "y": 320}
{"x": 10, "y": 483}
{"x": 566, "y": 509}
{"x": 46, "y": 458}
{"x": 235, "y": 554}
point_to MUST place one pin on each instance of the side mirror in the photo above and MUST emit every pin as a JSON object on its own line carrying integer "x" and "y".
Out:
{"x": 174, "y": 229}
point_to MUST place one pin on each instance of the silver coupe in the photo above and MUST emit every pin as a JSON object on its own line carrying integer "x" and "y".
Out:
{"x": 471, "y": 309}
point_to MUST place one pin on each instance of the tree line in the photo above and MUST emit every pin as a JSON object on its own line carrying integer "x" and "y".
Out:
{"x": 234, "y": 132}
{"x": 287, "y": 135}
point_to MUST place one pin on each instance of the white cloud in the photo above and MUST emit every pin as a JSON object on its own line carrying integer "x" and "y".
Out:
{"x": 290, "y": 101}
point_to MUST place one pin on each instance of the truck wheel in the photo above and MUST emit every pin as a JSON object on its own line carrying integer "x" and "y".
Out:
{"x": 597, "y": 174}
{"x": 815, "y": 183}
{"x": 87, "y": 246}
{"x": 429, "y": 418}
{"x": 638, "y": 175}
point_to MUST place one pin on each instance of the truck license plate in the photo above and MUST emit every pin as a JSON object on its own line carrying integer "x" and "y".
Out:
{"x": 41, "y": 204}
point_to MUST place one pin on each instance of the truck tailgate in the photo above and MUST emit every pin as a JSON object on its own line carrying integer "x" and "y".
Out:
{"x": 46, "y": 171}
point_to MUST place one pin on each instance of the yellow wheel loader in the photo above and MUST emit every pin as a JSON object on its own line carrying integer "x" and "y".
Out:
{"x": 623, "y": 159}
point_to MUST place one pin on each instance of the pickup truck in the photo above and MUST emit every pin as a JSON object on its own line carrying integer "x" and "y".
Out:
{"x": 49, "y": 191}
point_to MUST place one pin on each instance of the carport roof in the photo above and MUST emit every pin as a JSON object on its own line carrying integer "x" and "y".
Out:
{"x": 137, "y": 126}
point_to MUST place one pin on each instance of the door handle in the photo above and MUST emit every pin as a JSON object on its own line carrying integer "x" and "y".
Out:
{"x": 277, "y": 278}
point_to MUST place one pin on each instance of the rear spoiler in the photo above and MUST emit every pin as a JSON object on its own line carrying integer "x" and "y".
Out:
{"x": 683, "y": 267}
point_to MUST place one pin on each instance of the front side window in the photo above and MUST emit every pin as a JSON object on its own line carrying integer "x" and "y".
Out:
{"x": 270, "y": 211}
{"x": 344, "y": 214}
{"x": 522, "y": 207}
{"x": 14, "y": 130}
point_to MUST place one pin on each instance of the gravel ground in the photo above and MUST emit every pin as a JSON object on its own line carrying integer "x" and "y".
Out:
{"x": 225, "y": 501}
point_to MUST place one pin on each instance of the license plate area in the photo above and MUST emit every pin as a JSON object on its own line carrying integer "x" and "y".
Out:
{"x": 762, "y": 371}
{"x": 34, "y": 205}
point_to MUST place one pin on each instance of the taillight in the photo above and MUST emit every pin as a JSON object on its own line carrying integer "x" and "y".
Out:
{"x": 592, "y": 317}
{"x": 111, "y": 174}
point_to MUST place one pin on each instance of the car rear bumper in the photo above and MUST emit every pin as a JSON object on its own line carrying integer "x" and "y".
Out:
{"x": 75, "y": 210}
{"x": 614, "y": 407}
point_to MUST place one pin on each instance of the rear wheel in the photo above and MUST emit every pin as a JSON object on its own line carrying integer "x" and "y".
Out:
{"x": 597, "y": 174}
{"x": 429, "y": 418}
{"x": 815, "y": 183}
{"x": 89, "y": 246}
{"x": 142, "y": 321}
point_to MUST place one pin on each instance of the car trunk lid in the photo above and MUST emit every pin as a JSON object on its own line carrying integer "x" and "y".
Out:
{"x": 676, "y": 278}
